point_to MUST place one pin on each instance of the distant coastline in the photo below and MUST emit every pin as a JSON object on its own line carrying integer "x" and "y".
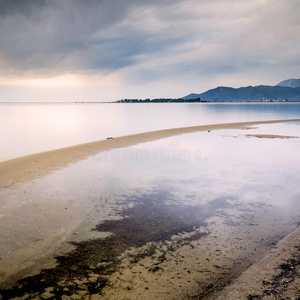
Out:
{"x": 180, "y": 100}
{"x": 161, "y": 100}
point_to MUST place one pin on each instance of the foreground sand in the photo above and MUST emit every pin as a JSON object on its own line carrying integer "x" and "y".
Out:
{"x": 33, "y": 166}
{"x": 276, "y": 276}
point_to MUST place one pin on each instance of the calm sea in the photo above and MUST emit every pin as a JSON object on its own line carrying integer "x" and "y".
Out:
{"x": 31, "y": 128}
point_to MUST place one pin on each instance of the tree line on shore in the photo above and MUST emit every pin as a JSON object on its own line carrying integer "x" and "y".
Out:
{"x": 161, "y": 100}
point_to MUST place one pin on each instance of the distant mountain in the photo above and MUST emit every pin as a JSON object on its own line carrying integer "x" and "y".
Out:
{"x": 293, "y": 83}
{"x": 252, "y": 93}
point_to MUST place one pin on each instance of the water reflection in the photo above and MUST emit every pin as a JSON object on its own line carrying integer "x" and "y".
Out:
{"x": 268, "y": 111}
{"x": 244, "y": 191}
{"x": 225, "y": 161}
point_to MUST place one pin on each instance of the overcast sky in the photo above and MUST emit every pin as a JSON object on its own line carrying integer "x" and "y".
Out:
{"x": 103, "y": 50}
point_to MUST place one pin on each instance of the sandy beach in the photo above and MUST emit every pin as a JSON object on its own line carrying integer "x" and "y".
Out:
{"x": 165, "y": 257}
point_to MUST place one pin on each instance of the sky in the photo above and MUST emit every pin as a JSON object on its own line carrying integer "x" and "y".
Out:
{"x": 106, "y": 50}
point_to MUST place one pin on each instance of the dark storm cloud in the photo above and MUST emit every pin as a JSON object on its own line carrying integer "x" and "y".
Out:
{"x": 70, "y": 35}
{"x": 149, "y": 39}
{"x": 10, "y": 7}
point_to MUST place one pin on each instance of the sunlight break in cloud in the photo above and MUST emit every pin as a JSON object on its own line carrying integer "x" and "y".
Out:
{"x": 66, "y": 80}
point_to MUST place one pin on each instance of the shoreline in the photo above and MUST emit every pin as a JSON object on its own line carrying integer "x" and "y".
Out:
{"x": 33, "y": 166}
{"x": 275, "y": 274}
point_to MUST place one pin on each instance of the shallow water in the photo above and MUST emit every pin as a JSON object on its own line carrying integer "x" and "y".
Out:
{"x": 27, "y": 128}
{"x": 236, "y": 195}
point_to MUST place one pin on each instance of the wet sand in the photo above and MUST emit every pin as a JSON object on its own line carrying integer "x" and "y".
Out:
{"x": 33, "y": 166}
{"x": 276, "y": 276}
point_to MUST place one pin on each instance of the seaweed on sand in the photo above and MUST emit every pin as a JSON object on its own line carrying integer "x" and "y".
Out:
{"x": 288, "y": 272}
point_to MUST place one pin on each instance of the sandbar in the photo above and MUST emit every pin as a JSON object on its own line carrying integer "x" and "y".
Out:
{"x": 30, "y": 167}
{"x": 272, "y": 136}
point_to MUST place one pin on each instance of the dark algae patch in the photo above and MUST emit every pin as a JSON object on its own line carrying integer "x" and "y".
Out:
{"x": 86, "y": 270}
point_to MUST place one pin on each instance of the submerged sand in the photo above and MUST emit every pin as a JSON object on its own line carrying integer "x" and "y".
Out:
{"x": 33, "y": 166}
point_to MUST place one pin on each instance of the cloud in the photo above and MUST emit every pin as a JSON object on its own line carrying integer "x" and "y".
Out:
{"x": 148, "y": 42}
{"x": 71, "y": 35}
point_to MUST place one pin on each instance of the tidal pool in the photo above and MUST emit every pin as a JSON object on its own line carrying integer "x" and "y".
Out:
{"x": 175, "y": 218}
